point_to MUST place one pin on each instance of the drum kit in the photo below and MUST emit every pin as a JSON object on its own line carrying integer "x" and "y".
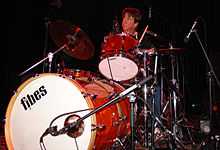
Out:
{"x": 79, "y": 109}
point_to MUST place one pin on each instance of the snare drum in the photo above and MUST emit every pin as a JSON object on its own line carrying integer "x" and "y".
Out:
{"x": 117, "y": 61}
{"x": 43, "y": 97}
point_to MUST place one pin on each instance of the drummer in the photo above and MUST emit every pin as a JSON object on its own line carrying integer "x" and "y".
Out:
{"x": 131, "y": 19}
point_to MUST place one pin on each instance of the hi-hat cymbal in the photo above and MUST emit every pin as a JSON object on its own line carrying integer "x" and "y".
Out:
{"x": 78, "y": 44}
{"x": 171, "y": 50}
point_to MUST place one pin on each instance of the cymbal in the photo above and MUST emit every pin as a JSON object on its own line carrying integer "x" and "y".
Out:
{"x": 171, "y": 50}
{"x": 120, "y": 41}
{"x": 78, "y": 44}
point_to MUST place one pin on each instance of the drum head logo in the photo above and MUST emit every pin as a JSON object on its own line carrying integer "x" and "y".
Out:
{"x": 31, "y": 98}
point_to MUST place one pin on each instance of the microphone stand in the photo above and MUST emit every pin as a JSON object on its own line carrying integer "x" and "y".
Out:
{"x": 132, "y": 106}
{"x": 211, "y": 73}
{"x": 50, "y": 55}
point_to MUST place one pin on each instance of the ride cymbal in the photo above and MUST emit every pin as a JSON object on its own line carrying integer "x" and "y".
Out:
{"x": 78, "y": 44}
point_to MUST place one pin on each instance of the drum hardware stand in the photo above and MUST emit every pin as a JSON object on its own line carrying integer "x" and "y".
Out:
{"x": 174, "y": 88}
{"x": 174, "y": 95}
{"x": 173, "y": 103}
{"x": 132, "y": 103}
{"x": 149, "y": 133}
{"x": 145, "y": 89}
{"x": 50, "y": 56}
{"x": 164, "y": 128}
{"x": 153, "y": 99}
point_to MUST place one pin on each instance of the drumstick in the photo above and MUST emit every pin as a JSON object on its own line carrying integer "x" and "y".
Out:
{"x": 142, "y": 36}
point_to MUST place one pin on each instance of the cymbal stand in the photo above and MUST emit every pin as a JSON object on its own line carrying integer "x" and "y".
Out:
{"x": 46, "y": 19}
{"x": 145, "y": 89}
{"x": 50, "y": 56}
{"x": 153, "y": 88}
{"x": 149, "y": 122}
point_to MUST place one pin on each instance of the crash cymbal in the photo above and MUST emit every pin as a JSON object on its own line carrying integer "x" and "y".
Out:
{"x": 120, "y": 41}
{"x": 78, "y": 44}
{"x": 171, "y": 50}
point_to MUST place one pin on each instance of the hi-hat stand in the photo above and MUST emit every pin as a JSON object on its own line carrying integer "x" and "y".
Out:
{"x": 151, "y": 106}
{"x": 175, "y": 95}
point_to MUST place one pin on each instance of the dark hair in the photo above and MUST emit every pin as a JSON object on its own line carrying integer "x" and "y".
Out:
{"x": 134, "y": 12}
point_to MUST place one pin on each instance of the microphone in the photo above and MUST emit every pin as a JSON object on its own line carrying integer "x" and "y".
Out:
{"x": 51, "y": 130}
{"x": 72, "y": 126}
{"x": 186, "y": 39}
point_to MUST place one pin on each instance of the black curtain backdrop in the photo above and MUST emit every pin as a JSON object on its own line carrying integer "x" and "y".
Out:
{"x": 171, "y": 19}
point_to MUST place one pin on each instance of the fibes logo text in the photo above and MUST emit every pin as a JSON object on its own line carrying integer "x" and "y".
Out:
{"x": 30, "y": 99}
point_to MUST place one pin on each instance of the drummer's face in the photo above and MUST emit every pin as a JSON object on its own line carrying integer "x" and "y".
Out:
{"x": 128, "y": 23}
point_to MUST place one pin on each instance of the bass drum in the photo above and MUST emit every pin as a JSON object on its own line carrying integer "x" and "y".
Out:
{"x": 43, "y": 97}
